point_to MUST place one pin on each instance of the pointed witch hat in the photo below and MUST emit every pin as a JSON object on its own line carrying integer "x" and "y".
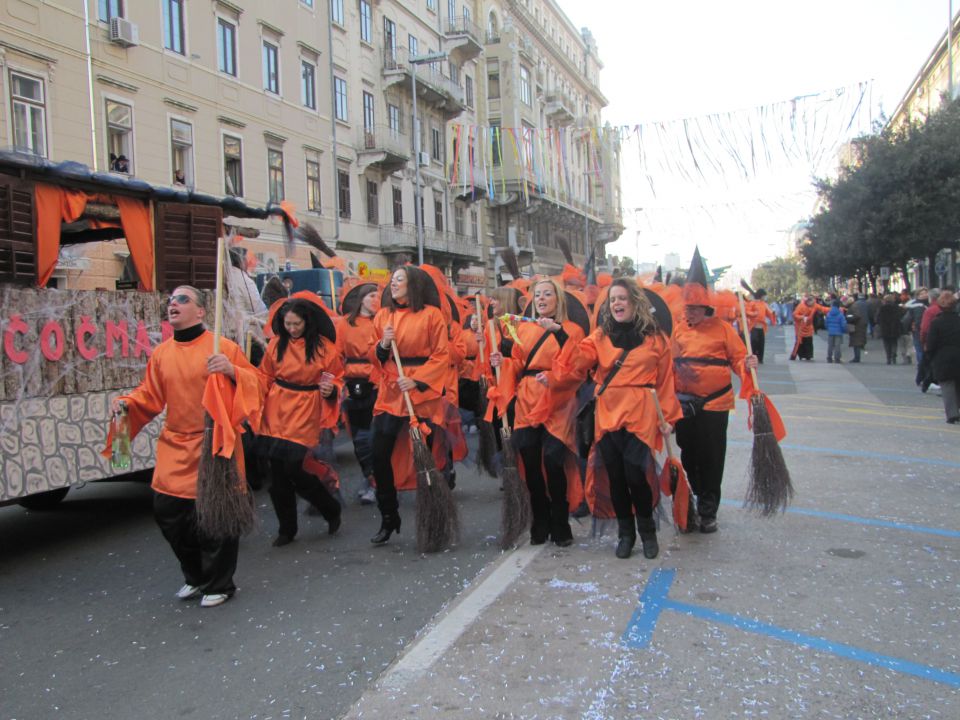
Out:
{"x": 695, "y": 289}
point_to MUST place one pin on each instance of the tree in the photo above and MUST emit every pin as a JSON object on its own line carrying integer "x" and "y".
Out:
{"x": 781, "y": 277}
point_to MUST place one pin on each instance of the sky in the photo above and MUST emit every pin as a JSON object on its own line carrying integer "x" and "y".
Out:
{"x": 665, "y": 60}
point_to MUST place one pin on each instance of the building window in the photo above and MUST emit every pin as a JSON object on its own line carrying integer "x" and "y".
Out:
{"x": 455, "y": 73}
{"x": 173, "y": 26}
{"x": 474, "y": 229}
{"x": 458, "y": 219}
{"x": 436, "y": 146}
{"x": 340, "y": 95}
{"x": 227, "y": 47}
{"x": 468, "y": 90}
{"x": 271, "y": 68}
{"x": 390, "y": 37}
{"x": 110, "y": 9}
{"x": 181, "y": 151}
{"x": 493, "y": 79}
{"x": 438, "y": 215}
{"x": 308, "y": 3}
{"x": 233, "y": 166}
{"x": 336, "y": 11}
{"x": 525, "y": 96}
{"x": 393, "y": 118}
{"x": 373, "y": 207}
{"x": 451, "y": 13}
{"x": 366, "y": 21}
{"x": 432, "y": 5}
{"x": 495, "y": 142}
{"x": 397, "y": 206}
{"x": 343, "y": 192}
{"x": 369, "y": 117}
{"x": 313, "y": 182}
{"x": 308, "y": 84}
{"x": 275, "y": 175}
{"x": 120, "y": 136}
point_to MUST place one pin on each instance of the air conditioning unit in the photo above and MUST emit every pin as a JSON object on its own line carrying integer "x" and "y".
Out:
{"x": 424, "y": 159}
{"x": 123, "y": 32}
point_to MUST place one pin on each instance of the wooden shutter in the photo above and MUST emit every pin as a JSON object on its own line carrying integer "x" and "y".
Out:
{"x": 186, "y": 237}
{"x": 18, "y": 250}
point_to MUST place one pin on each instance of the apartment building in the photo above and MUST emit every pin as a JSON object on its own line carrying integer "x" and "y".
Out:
{"x": 311, "y": 101}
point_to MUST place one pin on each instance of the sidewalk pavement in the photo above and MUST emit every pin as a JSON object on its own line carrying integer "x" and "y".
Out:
{"x": 845, "y": 606}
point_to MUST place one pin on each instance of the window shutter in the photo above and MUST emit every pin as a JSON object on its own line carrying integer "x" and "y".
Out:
{"x": 186, "y": 237}
{"x": 18, "y": 250}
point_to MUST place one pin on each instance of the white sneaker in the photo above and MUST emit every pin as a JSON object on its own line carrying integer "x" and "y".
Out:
{"x": 368, "y": 497}
{"x": 214, "y": 600}
{"x": 188, "y": 592}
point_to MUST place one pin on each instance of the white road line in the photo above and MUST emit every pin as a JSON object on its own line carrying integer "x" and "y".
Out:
{"x": 423, "y": 653}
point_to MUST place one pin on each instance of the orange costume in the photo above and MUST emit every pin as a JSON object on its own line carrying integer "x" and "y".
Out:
{"x": 544, "y": 428}
{"x": 355, "y": 343}
{"x": 626, "y": 403}
{"x": 803, "y": 326}
{"x": 758, "y": 312}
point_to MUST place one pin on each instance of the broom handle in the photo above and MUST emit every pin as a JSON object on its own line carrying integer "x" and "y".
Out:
{"x": 666, "y": 438}
{"x": 218, "y": 301}
{"x": 746, "y": 339}
{"x": 492, "y": 326}
{"x": 406, "y": 395}
{"x": 479, "y": 325}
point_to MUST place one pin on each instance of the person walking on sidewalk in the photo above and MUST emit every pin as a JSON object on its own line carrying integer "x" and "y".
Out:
{"x": 857, "y": 326}
{"x": 630, "y": 357}
{"x": 803, "y": 322}
{"x": 175, "y": 380}
{"x": 836, "y": 324}
{"x": 943, "y": 345}
{"x": 302, "y": 374}
{"x": 888, "y": 323}
{"x": 705, "y": 351}
{"x": 758, "y": 312}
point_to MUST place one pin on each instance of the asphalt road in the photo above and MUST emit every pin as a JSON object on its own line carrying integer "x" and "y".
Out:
{"x": 90, "y": 628}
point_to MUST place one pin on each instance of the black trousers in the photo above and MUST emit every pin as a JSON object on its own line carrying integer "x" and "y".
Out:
{"x": 541, "y": 451}
{"x": 386, "y": 428}
{"x": 625, "y": 460}
{"x": 703, "y": 449}
{"x": 805, "y": 351}
{"x": 206, "y": 563}
{"x": 758, "y": 340}
{"x": 360, "y": 417}
{"x": 287, "y": 480}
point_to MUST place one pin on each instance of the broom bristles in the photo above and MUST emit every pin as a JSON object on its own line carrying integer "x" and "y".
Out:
{"x": 510, "y": 259}
{"x": 515, "y": 512}
{"x": 438, "y": 523}
{"x": 564, "y": 246}
{"x": 309, "y": 234}
{"x": 225, "y": 508}
{"x": 770, "y": 489}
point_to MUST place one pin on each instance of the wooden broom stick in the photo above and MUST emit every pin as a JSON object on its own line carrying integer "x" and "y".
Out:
{"x": 218, "y": 299}
{"x": 746, "y": 339}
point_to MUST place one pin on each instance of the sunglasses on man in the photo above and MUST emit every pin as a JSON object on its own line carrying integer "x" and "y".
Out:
{"x": 180, "y": 299}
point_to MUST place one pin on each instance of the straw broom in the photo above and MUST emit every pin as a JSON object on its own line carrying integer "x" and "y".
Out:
{"x": 486, "y": 441}
{"x": 438, "y": 523}
{"x": 770, "y": 489}
{"x": 515, "y": 512}
{"x": 225, "y": 509}
{"x": 674, "y": 478}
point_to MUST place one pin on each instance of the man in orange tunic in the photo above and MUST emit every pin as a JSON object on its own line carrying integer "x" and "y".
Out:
{"x": 705, "y": 351}
{"x": 175, "y": 379}
{"x": 758, "y": 312}
{"x": 803, "y": 326}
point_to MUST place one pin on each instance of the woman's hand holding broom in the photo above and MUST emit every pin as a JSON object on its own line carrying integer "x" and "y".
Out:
{"x": 219, "y": 363}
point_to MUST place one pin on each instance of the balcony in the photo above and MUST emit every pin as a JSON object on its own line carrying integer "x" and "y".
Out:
{"x": 433, "y": 87}
{"x": 464, "y": 39}
{"x": 403, "y": 238}
{"x": 559, "y": 108}
{"x": 384, "y": 148}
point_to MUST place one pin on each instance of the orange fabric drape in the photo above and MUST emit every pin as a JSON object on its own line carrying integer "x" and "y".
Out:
{"x": 56, "y": 205}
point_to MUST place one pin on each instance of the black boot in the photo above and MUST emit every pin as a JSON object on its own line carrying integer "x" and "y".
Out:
{"x": 648, "y": 537}
{"x": 388, "y": 525}
{"x": 628, "y": 537}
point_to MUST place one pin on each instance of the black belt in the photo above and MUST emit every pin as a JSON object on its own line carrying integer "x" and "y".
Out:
{"x": 293, "y": 386}
{"x": 531, "y": 373}
{"x": 707, "y": 398}
{"x": 701, "y": 361}
{"x": 470, "y": 357}
{"x": 355, "y": 360}
{"x": 414, "y": 361}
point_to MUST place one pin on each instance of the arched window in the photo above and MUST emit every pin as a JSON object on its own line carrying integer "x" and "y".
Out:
{"x": 493, "y": 27}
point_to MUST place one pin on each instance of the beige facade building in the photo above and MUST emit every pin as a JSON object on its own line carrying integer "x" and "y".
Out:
{"x": 267, "y": 100}
{"x": 932, "y": 83}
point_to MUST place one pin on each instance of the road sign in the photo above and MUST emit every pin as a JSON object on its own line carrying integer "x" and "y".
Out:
{"x": 940, "y": 267}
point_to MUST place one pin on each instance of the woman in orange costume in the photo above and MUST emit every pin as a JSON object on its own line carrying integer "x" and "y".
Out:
{"x": 627, "y": 426}
{"x": 803, "y": 325}
{"x": 420, "y": 333}
{"x": 302, "y": 373}
{"x": 545, "y": 415}
{"x": 356, "y": 337}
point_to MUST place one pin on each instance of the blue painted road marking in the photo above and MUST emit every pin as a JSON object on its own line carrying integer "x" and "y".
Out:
{"x": 655, "y": 599}
{"x": 890, "y": 524}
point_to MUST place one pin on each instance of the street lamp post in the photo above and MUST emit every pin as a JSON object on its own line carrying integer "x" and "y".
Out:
{"x": 417, "y": 197}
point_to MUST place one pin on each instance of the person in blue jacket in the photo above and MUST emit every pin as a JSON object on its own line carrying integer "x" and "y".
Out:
{"x": 836, "y": 324}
